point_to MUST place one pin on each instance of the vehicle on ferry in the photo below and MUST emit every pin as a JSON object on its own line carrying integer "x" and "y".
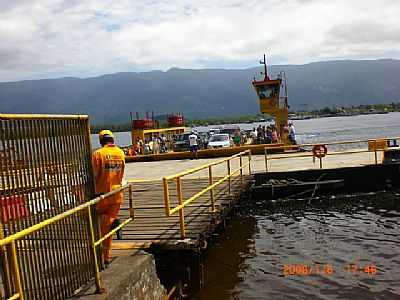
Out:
{"x": 181, "y": 142}
{"x": 220, "y": 140}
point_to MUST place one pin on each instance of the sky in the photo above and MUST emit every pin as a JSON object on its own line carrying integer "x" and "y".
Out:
{"x": 55, "y": 38}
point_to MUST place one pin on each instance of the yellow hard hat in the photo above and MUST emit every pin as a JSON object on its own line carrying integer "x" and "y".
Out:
{"x": 104, "y": 133}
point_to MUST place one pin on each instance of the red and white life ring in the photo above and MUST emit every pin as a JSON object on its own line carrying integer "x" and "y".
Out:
{"x": 319, "y": 151}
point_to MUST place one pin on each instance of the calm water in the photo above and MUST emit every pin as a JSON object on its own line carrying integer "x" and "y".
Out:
{"x": 323, "y": 129}
{"x": 248, "y": 261}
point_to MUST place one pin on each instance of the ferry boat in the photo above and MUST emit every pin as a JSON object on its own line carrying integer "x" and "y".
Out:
{"x": 273, "y": 100}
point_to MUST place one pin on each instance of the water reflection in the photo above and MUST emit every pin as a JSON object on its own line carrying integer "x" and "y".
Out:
{"x": 226, "y": 260}
{"x": 343, "y": 232}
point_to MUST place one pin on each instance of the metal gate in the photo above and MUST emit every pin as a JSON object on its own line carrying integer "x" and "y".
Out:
{"x": 45, "y": 170}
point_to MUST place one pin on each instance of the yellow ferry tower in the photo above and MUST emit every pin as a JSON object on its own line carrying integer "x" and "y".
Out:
{"x": 273, "y": 99}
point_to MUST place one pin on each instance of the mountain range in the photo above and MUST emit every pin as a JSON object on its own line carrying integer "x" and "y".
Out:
{"x": 205, "y": 92}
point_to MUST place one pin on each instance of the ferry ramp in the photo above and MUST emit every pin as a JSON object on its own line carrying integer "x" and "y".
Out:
{"x": 182, "y": 210}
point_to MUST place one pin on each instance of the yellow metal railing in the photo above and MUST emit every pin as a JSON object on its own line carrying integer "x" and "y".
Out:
{"x": 374, "y": 146}
{"x": 88, "y": 207}
{"x": 182, "y": 203}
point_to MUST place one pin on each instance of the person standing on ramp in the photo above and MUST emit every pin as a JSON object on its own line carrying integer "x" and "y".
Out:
{"x": 108, "y": 165}
{"x": 194, "y": 147}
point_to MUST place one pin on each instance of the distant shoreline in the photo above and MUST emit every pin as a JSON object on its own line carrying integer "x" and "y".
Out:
{"x": 339, "y": 115}
{"x": 259, "y": 118}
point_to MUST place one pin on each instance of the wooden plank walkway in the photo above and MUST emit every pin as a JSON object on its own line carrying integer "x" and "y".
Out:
{"x": 152, "y": 226}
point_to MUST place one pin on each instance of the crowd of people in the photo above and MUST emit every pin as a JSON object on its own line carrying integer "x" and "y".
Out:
{"x": 155, "y": 145}
{"x": 265, "y": 135}
{"x": 270, "y": 134}
{"x": 159, "y": 143}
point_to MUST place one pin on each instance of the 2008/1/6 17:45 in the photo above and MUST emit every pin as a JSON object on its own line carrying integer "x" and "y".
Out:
{"x": 326, "y": 269}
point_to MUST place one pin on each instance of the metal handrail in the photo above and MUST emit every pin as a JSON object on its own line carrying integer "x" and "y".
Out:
{"x": 331, "y": 143}
{"x": 10, "y": 240}
{"x": 327, "y": 154}
{"x": 210, "y": 188}
{"x": 42, "y": 116}
{"x": 194, "y": 170}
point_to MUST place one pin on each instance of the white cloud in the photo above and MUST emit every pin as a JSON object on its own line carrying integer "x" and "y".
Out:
{"x": 48, "y": 38}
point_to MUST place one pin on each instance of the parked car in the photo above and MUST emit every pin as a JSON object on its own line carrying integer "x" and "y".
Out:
{"x": 221, "y": 140}
{"x": 181, "y": 142}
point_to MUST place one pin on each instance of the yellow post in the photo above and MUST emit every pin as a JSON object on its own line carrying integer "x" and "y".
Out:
{"x": 131, "y": 210}
{"x": 210, "y": 182}
{"x": 166, "y": 196}
{"x": 249, "y": 162}
{"x": 17, "y": 275}
{"x": 181, "y": 212}
{"x": 228, "y": 162}
{"x": 93, "y": 246}
{"x": 6, "y": 263}
{"x": 241, "y": 169}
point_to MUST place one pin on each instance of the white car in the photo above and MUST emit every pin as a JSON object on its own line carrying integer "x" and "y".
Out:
{"x": 221, "y": 140}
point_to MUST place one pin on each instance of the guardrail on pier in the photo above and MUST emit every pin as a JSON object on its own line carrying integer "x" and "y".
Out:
{"x": 16, "y": 289}
{"x": 213, "y": 182}
{"x": 48, "y": 237}
{"x": 320, "y": 150}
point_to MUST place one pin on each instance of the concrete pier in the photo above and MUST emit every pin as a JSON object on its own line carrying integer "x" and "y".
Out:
{"x": 159, "y": 169}
{"x": 131, "y": 276}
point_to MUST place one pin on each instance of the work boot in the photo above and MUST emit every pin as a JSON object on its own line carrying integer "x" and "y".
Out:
{"x": 107, "y": 263}
{"x": 114, "y": 225}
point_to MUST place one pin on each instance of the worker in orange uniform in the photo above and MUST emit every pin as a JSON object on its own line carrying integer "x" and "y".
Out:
{"x": 108, "y": 165}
